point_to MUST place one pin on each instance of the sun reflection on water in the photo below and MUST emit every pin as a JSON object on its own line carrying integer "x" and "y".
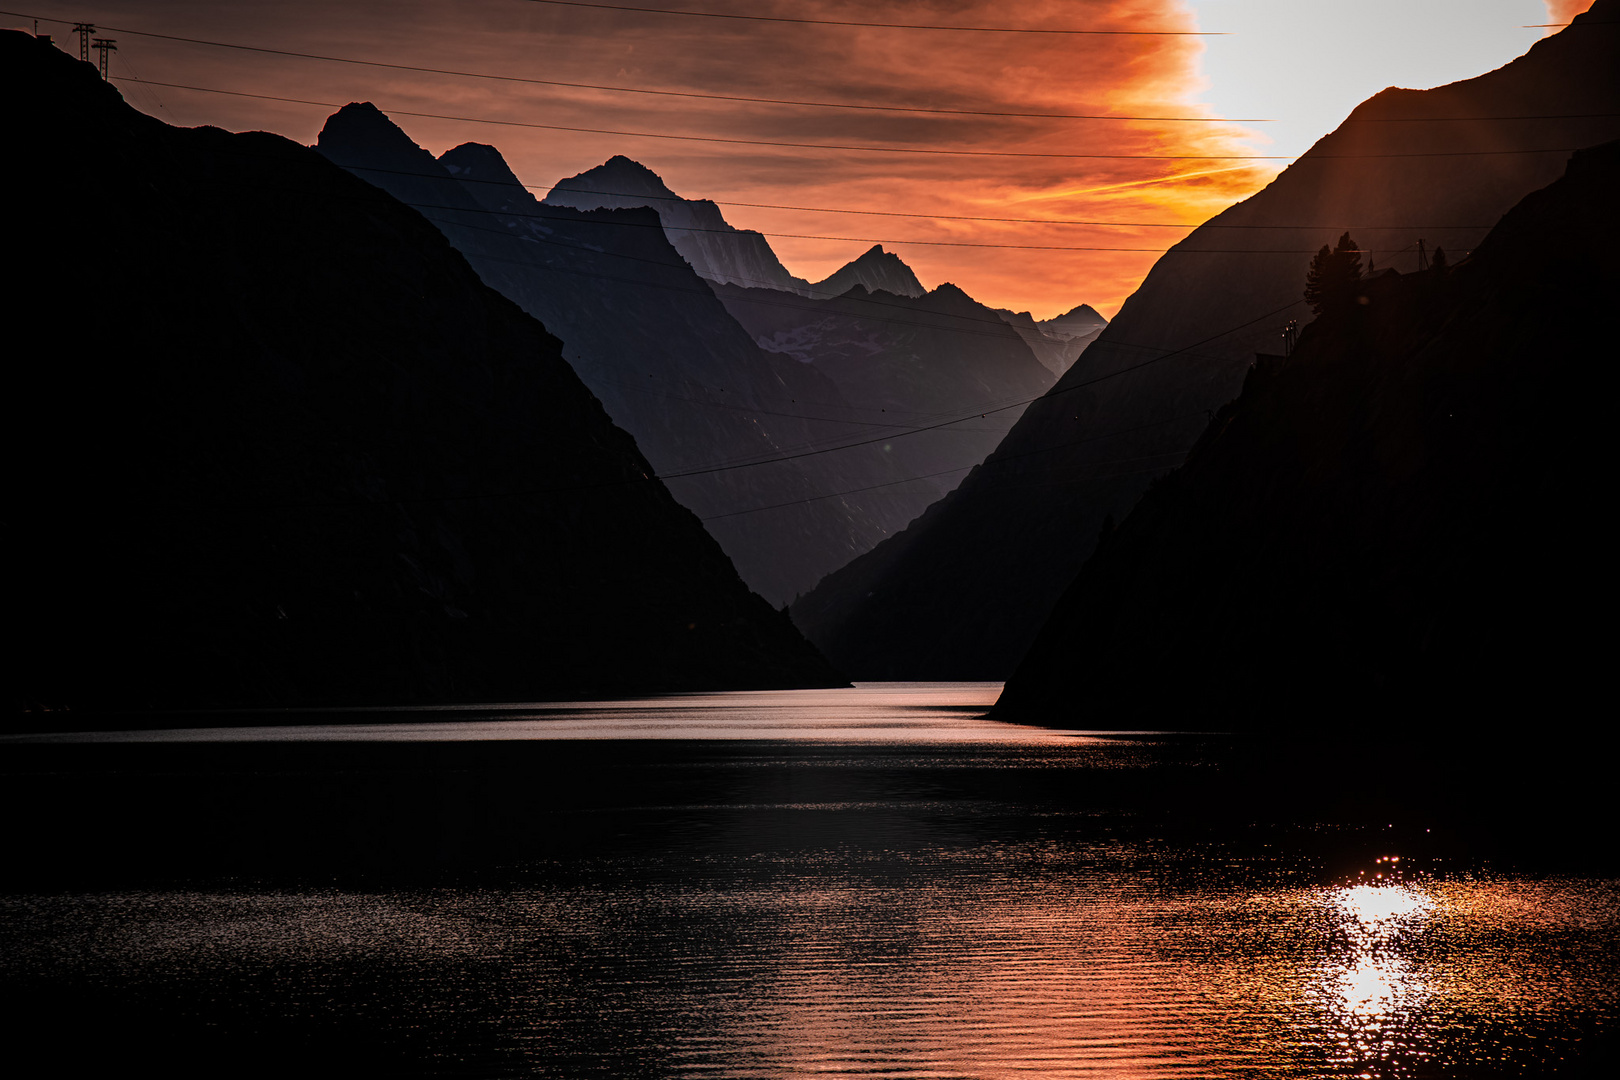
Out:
{"x": 1371, "y": 984}
{"x": 1382, "y": 910}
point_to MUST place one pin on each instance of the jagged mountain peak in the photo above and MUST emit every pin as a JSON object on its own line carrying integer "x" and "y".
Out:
{"x": 618, "y": 176}
{"x": 877, "y": 270}
{"x": 1077, "y": 313}
{"x": 361, "y": 121}
{"x": 1082, "y": 319}
{"x": 479, "y": 160}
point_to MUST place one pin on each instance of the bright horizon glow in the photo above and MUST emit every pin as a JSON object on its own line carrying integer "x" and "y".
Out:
{"x": 1306, "y": 64}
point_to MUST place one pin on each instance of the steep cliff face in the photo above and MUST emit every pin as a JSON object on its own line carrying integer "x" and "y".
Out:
{"x": 1402, "y": 519}
{"x": 721, "y": 419}
{"x": 281, "y": 446}
{"x": 964, "y": 591}
{"x": 716, "y": 250}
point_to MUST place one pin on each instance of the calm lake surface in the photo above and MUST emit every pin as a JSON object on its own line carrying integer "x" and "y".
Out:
{"x": 823, "y": 883}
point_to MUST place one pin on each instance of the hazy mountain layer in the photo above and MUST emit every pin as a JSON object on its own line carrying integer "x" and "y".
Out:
{"x": 913, "y": 362}
{"x": 962, "y": 593}
{"x": 281, "y": 446}
{"x": 731, "y": 427}
{"x": 1057, "y": 343}
{"x": 1399, "y": 519}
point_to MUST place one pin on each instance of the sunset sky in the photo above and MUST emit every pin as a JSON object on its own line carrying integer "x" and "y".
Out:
{"x": 1300, "y": 64}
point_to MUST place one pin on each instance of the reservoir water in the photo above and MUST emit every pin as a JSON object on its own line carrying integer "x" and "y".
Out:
{"x": 869, "y": 882}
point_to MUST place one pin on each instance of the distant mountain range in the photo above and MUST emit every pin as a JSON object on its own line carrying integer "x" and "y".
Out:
{"x": 962, "y": 592}
{"x": 718, "y": 416}
{"x": 1058, "y": 342}
{"x": 282, "y": 447}
{"x": 725, "y": 255}
{"x": 717, "y": 251}
{"x": 1394, "y": 525}
{"x": 787, "y": 456}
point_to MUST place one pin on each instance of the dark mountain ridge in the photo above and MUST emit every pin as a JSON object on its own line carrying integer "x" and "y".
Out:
{"x": 963, "y": 592}
{"x": 715, "y": 414}
{"x": 282, "y": 447}
{"x": 1398, "y": 522}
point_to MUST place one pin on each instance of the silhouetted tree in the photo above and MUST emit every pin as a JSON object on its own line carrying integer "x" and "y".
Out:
{"x": 1334, "y": 279}
{"x": 1439, "y": 260}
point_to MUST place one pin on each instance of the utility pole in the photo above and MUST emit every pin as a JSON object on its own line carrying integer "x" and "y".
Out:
{"x": 105, "y": 46}
{"x": 1423, "y": 257}
{"x": 1290, "y": 335}
{"x": 84, "y": 30}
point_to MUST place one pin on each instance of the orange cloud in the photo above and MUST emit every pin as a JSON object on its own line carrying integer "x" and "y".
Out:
{"x": 1561, "y": 11}
{"x": 1055, "y": 265}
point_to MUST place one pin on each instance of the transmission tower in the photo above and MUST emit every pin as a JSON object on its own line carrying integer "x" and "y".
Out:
{"x": 105, "y": 46}
{"x": 84, "y": 30}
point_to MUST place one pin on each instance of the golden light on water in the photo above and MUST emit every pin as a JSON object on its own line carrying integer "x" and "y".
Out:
{"x": 1383, "y": 910}
{"x": 1370, "y": 988}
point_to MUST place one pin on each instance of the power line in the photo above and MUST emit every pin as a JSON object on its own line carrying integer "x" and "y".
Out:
{"x": 999, "y": 460}
{"x": 750, "y": 99}
{"x": 1054, "y": 392}
{"x": 788, "y": 301}
{"x": 850, "y": 147}
{"x": 875, "y": 25}
{"x": 953, "y": 217}
{"x": 651, "y": 200}
{"x": 743, "y": 98}
{"x": 936, "y": 243}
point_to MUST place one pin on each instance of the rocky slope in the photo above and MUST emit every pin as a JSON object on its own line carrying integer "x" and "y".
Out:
{"x": 963, "y": 592}
{"x": 1399, "y": 521}
{"x": 281, "y": 446}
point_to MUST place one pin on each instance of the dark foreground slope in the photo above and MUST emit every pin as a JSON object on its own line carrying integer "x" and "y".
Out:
{"x": 1407, "y": 513}
{"x": 963, "y": 592}
{"x": 278, "y": 444}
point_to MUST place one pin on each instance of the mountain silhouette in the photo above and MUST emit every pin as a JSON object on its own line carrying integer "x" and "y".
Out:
{"x": 875, "y": 270}
{"x": 716, "y": 250}
{"x": 1397, "y": 522}
{"x": 285, "y": 448}
{"x": 907, "y": 356}
{"x": 697, "y": 229}
{"x": 655, "y": 345}
{"x": 962, "y": 593}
